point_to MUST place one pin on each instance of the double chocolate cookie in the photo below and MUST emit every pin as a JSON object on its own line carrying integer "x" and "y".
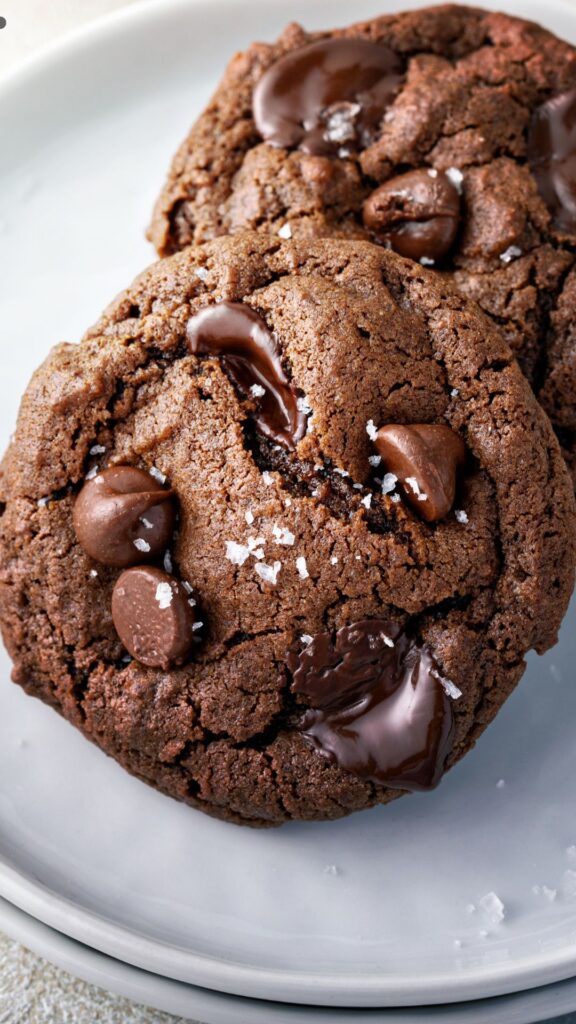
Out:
{"x": 278, "y": 534}
{"x": 447, "y": 134}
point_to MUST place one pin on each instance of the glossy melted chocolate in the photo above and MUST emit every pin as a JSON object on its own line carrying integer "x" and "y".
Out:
{"x": 327, "y": 96}
{"x": 552, "y": 157}
{"x": 235, "y": 333}
{"x": 378, "y": 708}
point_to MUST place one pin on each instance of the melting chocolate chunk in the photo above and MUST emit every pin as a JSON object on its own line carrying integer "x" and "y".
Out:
{"x": 425, "y": 457}
{"x": 122, "y": 517}
{"x": 326, "y": 96}
{"x": 378, "y": 708}
{"x": 552, "y": 157}
{"x": 235, "y": 333}
{"x": 153, "y": 617}
{"x": 416, "y": 213}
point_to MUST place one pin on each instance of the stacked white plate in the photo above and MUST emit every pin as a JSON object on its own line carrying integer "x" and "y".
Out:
{"x": 382, "y": 915}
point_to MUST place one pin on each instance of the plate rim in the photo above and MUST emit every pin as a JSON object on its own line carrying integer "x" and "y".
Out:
{"x": 185, "y": 966}
{"x": 171, "y": 996}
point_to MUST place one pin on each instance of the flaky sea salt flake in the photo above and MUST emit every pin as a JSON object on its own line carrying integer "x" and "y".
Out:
{"x": 371, "y": 430}
{"x": 511, "y": 253}
{"x": 285, "y": 231}
{"x": 366, "y": 501}
{"x": 450, "y": 688}
{"x": 158, "y": 475}
{"x": 461, "y": 515}
{"x": 237, "y": 553}
{"x": 302, "y": 568}
{"x": 283, "y": 535}
{"x": 454, "y": 174}
{"x": 141, "y": 544}
{"x": 97, "y": 449}
{"x": 269, "y": 573}
{"x": 306, "y": 638}
{"x": 257, "y": 391}
{"x": 415, "y": 488}
{"x": 426, "y": 261}
{"x": 374, "y": 460}
{"x": 267, "y": 478}
{"x": 340, "y": 121}
{"x": 389, "y": 483}
{"x": 164, "y": 595}
{"x": 493, "y": 908}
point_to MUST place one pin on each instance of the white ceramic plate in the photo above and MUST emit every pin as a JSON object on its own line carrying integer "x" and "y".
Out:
{"x": 216, "y": 1008}
{"x": 369, "y": 911}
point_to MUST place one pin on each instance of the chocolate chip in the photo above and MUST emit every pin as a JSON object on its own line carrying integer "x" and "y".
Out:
{"x": 122, "y": 517}
{"x": 378, "y": 709}
{"x": 153, "y": 617}
{"x": 552, "y": 157}
{"x": 249, "y": 351}
{"x": 425, "y": 457}
{"x": 417, "y": 213}
{"x": 327, "y": 95}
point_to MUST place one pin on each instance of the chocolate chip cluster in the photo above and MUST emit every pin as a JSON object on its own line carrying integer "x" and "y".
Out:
{"x": 123, "y": 517}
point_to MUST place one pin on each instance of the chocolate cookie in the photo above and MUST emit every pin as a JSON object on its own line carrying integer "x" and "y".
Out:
{"x": 445, "y": 133}
{"x": 278, "y": 534}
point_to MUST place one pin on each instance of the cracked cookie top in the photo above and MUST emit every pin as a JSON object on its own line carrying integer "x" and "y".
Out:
{"x": 428, "y": 131}
{"x": 279, "y": 532}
